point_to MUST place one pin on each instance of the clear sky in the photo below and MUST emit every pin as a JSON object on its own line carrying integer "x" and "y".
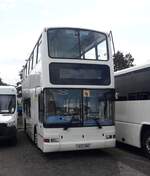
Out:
{"x": 21, "y": 22}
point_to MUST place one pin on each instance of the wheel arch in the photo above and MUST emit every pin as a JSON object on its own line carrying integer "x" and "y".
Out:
{"x": 145, "y": 127}
{"x": 35, "y": 128}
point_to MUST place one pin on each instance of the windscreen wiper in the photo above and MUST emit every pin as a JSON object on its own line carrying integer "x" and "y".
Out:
{"x": 68, "y": 124}
{"x": 97, "y": 122}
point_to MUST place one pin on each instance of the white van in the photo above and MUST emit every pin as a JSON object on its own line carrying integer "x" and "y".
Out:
{"x": 8, "y": 113}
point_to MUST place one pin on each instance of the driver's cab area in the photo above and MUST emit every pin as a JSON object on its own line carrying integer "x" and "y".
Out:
{"x": 8, "y": 113}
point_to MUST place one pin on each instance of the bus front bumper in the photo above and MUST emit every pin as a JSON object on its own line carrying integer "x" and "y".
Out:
{"x": 70, "y": 146}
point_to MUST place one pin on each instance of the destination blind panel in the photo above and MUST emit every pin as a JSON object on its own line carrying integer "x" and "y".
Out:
{"x": 79, "y": 74}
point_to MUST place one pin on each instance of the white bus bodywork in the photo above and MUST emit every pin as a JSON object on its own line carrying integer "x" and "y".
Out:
{"x": 35, "y": 83}
{"x": 132, "y": 107}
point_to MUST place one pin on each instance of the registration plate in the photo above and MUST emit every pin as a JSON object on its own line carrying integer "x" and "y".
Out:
{"x": 83, "y": 146}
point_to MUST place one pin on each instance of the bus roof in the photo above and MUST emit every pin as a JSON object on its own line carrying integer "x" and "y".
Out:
{"x": 131, "y": 69}
{"x": 76, "y": 28}
{"x": 8, "y": 90}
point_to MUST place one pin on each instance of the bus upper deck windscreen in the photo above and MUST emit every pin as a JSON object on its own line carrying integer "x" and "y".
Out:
{"x": 69, "y": 43}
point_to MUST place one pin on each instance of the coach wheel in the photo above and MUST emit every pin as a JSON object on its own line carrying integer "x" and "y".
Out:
{"x": 146, "y": 143}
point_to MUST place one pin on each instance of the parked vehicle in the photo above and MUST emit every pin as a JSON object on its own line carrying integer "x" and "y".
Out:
{"x": 68, "y": 91}
{"x": 8, "y": 113}
{"x": 133, "y": 107}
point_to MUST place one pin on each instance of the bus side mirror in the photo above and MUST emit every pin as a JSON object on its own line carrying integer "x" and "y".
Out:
{"x": 112, "y": 41}
{"x": 12, "y": 110}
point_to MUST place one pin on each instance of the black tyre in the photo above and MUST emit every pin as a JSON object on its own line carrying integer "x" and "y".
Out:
{"x": 25, "y": 125}
{"x": 13, "y": 140}
{"x": 35, "y": 136}
{"x": 146, "y": 143}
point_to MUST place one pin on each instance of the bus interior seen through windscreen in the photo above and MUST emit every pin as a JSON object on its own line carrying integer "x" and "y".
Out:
{"x": 79, "y": 107}
{"x": 77, "y": 44}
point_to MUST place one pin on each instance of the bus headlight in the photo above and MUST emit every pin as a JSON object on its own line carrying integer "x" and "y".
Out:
{"x": 109, "y": 136}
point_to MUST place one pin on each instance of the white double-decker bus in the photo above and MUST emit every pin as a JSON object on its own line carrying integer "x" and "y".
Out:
{"x": 68, "y": 91}
{"x": 133, "y": 107}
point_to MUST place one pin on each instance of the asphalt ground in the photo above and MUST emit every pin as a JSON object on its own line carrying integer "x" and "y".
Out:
{"x": 25, "y": 159}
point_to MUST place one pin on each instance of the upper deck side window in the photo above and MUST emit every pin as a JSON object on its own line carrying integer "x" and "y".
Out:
{"x": 77, "y": 44}
{"x": 33, "y": 59}
{"x": 39, "y": 50}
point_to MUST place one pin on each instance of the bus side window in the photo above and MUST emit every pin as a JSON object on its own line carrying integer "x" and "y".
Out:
{"x": 27, "y": 107}
{"x": 29, "y": 66}
{"x": 26, "y": 70}
{"x": 38, "y": 51}
{"x": 31, "y": 58}
{"x": 34, "y": 56}
{"x": 41, "y": 107}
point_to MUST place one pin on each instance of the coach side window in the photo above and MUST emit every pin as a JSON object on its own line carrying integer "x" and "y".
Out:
{"x": 139, "y": 96}
{"x": 144, "y": 95}
{"x": 132, "y": 96}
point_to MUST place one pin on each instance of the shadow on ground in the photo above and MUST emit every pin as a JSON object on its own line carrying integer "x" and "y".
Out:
{"x": 130, "y": 149}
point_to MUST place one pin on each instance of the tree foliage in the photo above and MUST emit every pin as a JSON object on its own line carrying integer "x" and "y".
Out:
{"x": 122, "y": 62}
{"x": 2, "y": 83}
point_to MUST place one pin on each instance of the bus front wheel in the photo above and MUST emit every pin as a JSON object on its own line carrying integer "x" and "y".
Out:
{"x": 25, "y": 126}
{"x": 35, "y": 136}
{"x": 146, "y": 143}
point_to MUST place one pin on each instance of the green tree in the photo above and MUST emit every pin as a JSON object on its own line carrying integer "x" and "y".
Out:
{"x": 122, "y": 62}
{"x": 2, "y": 83}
